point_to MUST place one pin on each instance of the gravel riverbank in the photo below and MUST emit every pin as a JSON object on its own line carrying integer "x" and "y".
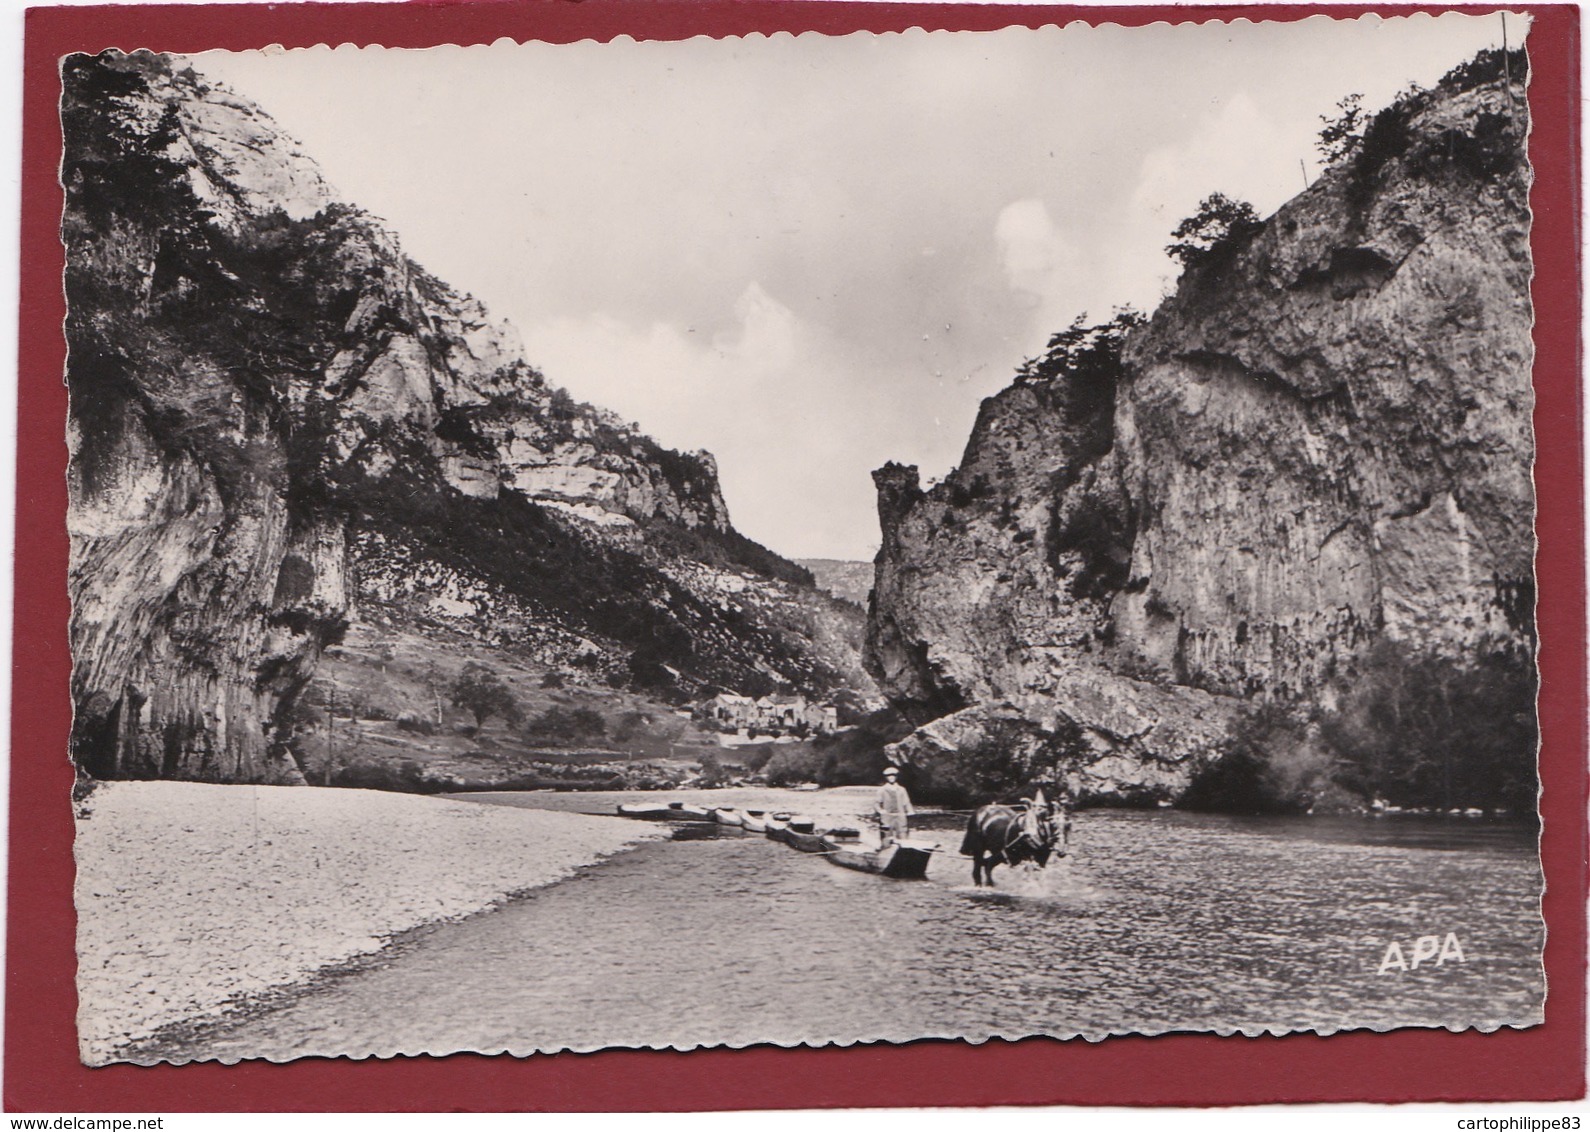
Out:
{"x": 192, "y": 896}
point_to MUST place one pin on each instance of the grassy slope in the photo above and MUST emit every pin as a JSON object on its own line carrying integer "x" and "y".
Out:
{"x": 389, "y": 666}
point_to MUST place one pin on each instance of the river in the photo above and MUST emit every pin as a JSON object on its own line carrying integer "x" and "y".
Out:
{"x": 1158, "y": 921}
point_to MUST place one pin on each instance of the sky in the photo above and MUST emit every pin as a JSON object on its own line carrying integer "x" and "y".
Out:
{"x": 812, "y": 255}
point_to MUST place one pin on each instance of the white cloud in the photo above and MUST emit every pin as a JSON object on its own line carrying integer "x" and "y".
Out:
{"x": 766, "y": 338}
{"x": 814, "y": 254}
{"x": 1031, "y": 249}
{"x": 1234, "y": 148}
{"x": 1042, "y": 266}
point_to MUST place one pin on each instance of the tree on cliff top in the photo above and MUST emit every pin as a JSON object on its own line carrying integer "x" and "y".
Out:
{"x": 1488, "y": 66}
{"x": 1220, "y": 224}
{"x": 1087, "y": 354}
{"x": 1343, "y": 130}
{"x": 481, "y": 692}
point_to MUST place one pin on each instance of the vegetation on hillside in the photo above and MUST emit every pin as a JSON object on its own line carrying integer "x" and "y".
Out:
{"x": 1410, "y": 730}
{"x": 1363, "y": 144}
{"x": 1420, "y": 730}
{"x": 1350, "y": 131}
{"x": 728, "y": 549}
{"x": 481, "y": 692}
{"x": 379, "y": 714}
{"x": 558, "y": 725}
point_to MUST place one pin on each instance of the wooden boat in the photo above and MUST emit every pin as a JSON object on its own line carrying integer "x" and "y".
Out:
{"x": 659, "y": 811}
{"x": 703, "y": 831}
{"x": 726, "y": 815}
{"x": 904, "y": 860}
{"x": 806, "y": 840}
{"x": 798, "y": 833}
{"x": 683, "y": 812}
{"x": 647, "y": 811}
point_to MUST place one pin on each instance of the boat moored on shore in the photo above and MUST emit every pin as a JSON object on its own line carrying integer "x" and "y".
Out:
{"x": 661, "y": 811}
{"x": 843, "y": 845}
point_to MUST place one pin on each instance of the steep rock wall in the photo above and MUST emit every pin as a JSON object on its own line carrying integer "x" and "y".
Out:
{"x": 267, "y": 394}
{"x": 1321, "y": 441}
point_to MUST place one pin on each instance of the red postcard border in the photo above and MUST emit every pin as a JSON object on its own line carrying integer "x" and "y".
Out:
{"x": 41, "y": 1070}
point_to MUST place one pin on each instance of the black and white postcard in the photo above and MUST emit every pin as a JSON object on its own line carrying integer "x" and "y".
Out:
{"x": 803, "y": 539}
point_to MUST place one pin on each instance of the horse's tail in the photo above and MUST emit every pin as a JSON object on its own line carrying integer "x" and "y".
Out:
{"x": 972, "y": 843}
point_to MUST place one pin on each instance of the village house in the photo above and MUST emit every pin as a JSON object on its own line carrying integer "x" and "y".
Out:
{"x": 822, "y": 718}
{"x": 780, "y": 712}
{"x": 775, "y": 713}
{"x": 729, "y": 711}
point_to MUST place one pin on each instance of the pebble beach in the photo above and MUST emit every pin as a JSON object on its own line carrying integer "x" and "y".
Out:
{"x": 194, "y": 899}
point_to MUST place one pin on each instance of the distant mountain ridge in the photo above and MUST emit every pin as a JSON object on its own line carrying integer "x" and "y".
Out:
{"x": 847, "y": 580}
{"x": 279, "y": 421}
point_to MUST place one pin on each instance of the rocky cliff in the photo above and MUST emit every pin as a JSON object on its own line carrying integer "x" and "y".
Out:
{"x": 1312, "y": 464}
{"x": 276, "y": 417}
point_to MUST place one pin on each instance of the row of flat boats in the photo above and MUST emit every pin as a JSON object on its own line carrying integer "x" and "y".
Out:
{"x": 901, "y": 860}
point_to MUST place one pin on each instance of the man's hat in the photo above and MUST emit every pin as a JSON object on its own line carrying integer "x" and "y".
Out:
{"x": 891, "y": 770}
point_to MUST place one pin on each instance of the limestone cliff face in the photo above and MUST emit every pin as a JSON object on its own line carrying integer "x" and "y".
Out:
{"x": 269, "y": 401}
{"x": 1321, "y": 441}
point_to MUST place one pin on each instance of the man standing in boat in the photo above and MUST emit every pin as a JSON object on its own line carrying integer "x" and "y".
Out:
{"x": 893, "y": 807}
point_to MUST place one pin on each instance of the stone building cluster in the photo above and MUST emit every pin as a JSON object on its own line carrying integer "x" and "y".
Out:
{"x": 772, "y": 714}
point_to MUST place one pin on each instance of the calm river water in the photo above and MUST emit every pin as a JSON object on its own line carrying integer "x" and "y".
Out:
{"x": 1158, "y": 921}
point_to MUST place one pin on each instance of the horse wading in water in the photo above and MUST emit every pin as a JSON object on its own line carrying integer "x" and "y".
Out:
{"x": 1015, "y": 835}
